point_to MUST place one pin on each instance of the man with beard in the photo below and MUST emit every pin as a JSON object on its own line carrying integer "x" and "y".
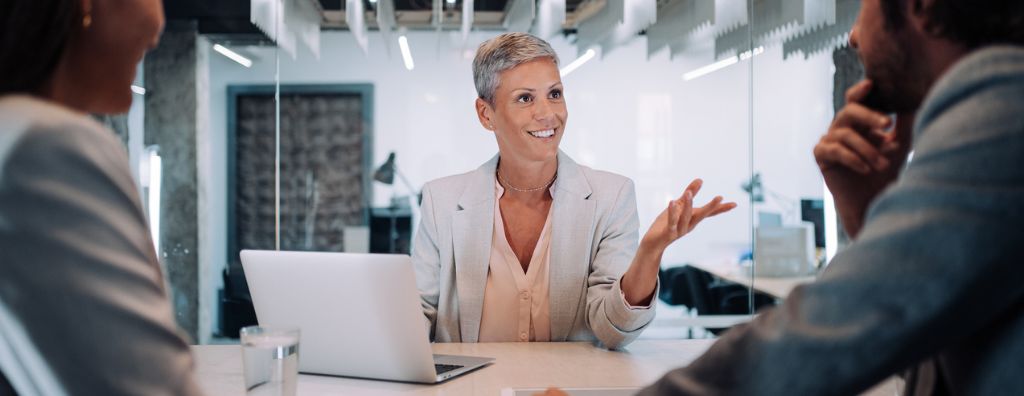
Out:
{"x": 932, "y": 284}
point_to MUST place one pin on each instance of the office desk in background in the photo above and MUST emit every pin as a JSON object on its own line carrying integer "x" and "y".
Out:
{"x": 518, "y": 365}
{"x": 778, "y": 287}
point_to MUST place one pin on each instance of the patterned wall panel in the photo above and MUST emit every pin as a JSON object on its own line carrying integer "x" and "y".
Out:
{"x": 322, "y": 175}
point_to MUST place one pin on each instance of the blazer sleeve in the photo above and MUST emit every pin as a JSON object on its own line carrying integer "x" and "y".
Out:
{"x": 613, "y": 322}
{"x": 426, "y": 258}
{"x": 78, "y": 270}
{"x": 936, "y": 263}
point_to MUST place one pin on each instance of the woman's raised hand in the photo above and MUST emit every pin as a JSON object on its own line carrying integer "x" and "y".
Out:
{"x": 680, "y": 217}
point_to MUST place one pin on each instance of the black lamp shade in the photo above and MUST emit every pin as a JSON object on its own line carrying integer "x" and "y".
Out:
{"x": 386, "y": 173}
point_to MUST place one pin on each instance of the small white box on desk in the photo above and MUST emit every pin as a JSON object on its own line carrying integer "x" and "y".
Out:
{"x": 356, "y": 239}
{"x": 784, "y": 251}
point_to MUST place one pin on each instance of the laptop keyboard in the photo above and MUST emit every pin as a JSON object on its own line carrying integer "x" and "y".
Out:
{"x": 444, "y": 368}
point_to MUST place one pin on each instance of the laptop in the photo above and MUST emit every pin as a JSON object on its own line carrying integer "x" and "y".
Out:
{"x": 359, "y": 314}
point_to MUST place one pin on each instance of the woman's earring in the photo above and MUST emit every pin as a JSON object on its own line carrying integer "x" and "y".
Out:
{"x": 87, "y": 19}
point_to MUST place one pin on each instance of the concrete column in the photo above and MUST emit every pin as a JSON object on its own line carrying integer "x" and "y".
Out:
{"x": 172, "y": 122}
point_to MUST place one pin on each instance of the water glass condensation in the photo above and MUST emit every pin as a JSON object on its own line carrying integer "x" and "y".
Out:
{"x": 271, "y": 360}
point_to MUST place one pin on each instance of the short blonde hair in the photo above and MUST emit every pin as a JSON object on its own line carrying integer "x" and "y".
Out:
{"x": 504, "y": 52}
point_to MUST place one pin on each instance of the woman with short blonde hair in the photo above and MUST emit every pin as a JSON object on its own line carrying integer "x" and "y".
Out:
{"x": 532, "y": 246}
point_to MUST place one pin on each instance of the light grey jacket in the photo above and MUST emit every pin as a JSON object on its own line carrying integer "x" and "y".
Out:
{"x": 594, "y": 237}
{"x": 935, "y": 280}
{"x": 83, "y": 307}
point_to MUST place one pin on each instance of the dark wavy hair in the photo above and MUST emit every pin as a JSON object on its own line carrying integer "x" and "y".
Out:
{"x": 973, "y": 23}
{"x": 33, "y": 34}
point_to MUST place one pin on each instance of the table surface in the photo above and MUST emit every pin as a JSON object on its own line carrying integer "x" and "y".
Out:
{"x": 730, "y": 271}
{"x": 517, "y": 366}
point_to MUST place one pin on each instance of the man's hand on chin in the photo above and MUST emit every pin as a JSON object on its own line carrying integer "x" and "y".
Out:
{"x": 859, "y": 156}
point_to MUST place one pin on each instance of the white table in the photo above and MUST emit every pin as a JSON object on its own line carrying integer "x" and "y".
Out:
{"x": 518, "y": 365}
{"x": 733, "y": 272}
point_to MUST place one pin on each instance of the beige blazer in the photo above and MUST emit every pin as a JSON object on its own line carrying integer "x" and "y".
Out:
{"x": 594, "y": 237}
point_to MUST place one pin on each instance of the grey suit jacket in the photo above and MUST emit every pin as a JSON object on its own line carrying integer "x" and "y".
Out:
{"x": 594, "y": 238}
{"x": 935, "y": 280}
{"x": 82, "y": 298}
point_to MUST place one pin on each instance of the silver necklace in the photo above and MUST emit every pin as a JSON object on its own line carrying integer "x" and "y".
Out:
{"x": 531, "y": 189}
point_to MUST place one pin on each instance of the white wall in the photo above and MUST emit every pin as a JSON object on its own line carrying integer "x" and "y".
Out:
{"x": 627, "y": 114}
{"x": 792, "y": 109}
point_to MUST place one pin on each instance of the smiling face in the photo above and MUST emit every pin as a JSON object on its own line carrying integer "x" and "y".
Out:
{"x": 528, "y": 114}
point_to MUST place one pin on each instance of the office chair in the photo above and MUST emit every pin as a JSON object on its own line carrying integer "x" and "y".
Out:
{"x": 697, "y": 289}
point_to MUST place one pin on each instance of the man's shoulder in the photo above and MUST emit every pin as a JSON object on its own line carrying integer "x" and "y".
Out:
{"x": 982, "y": 66}
{"x": 991, "y": 78}
{"x": 978, "y": 103}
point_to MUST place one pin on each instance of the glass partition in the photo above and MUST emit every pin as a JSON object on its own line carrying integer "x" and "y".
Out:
{"x": 798, "y": 83}
{"x": 243, "y": 170}
{"x": 177, "y": 135}
{"x": 314, "y": 124}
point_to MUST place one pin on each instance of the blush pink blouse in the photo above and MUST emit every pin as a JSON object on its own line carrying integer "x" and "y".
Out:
{"x": 516, "y": 302}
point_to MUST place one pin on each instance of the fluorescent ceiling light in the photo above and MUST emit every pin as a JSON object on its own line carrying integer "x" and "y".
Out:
{"x": 724, "y": 63}
{"x": 138, "y": 90}
{"x": 406, "y": 55}
{"x": 450, "y": 1}
{"x": 578, "y": 62}
{"x": 373, "y": 1}
{"x": 233, "y": 55}
{"x": 747, "y": 54}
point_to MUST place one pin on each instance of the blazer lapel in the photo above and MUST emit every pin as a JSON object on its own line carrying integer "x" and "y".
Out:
{"x": 472, "y": 226}
{"x": 572, "y": 236}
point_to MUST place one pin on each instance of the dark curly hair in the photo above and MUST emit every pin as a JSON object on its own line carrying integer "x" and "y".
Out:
{"x": 33, "y": 34}
{"x": 973, "y": 23}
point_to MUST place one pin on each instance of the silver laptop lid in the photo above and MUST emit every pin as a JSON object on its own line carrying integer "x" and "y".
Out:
{"x": 359, "y": 314}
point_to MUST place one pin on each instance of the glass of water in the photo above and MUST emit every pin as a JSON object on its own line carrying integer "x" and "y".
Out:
{"x": 271, "y": 360}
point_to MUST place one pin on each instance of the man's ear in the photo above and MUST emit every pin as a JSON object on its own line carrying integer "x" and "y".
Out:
{"x": 485, "y": 112}
{"x": 86, "y": 10}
